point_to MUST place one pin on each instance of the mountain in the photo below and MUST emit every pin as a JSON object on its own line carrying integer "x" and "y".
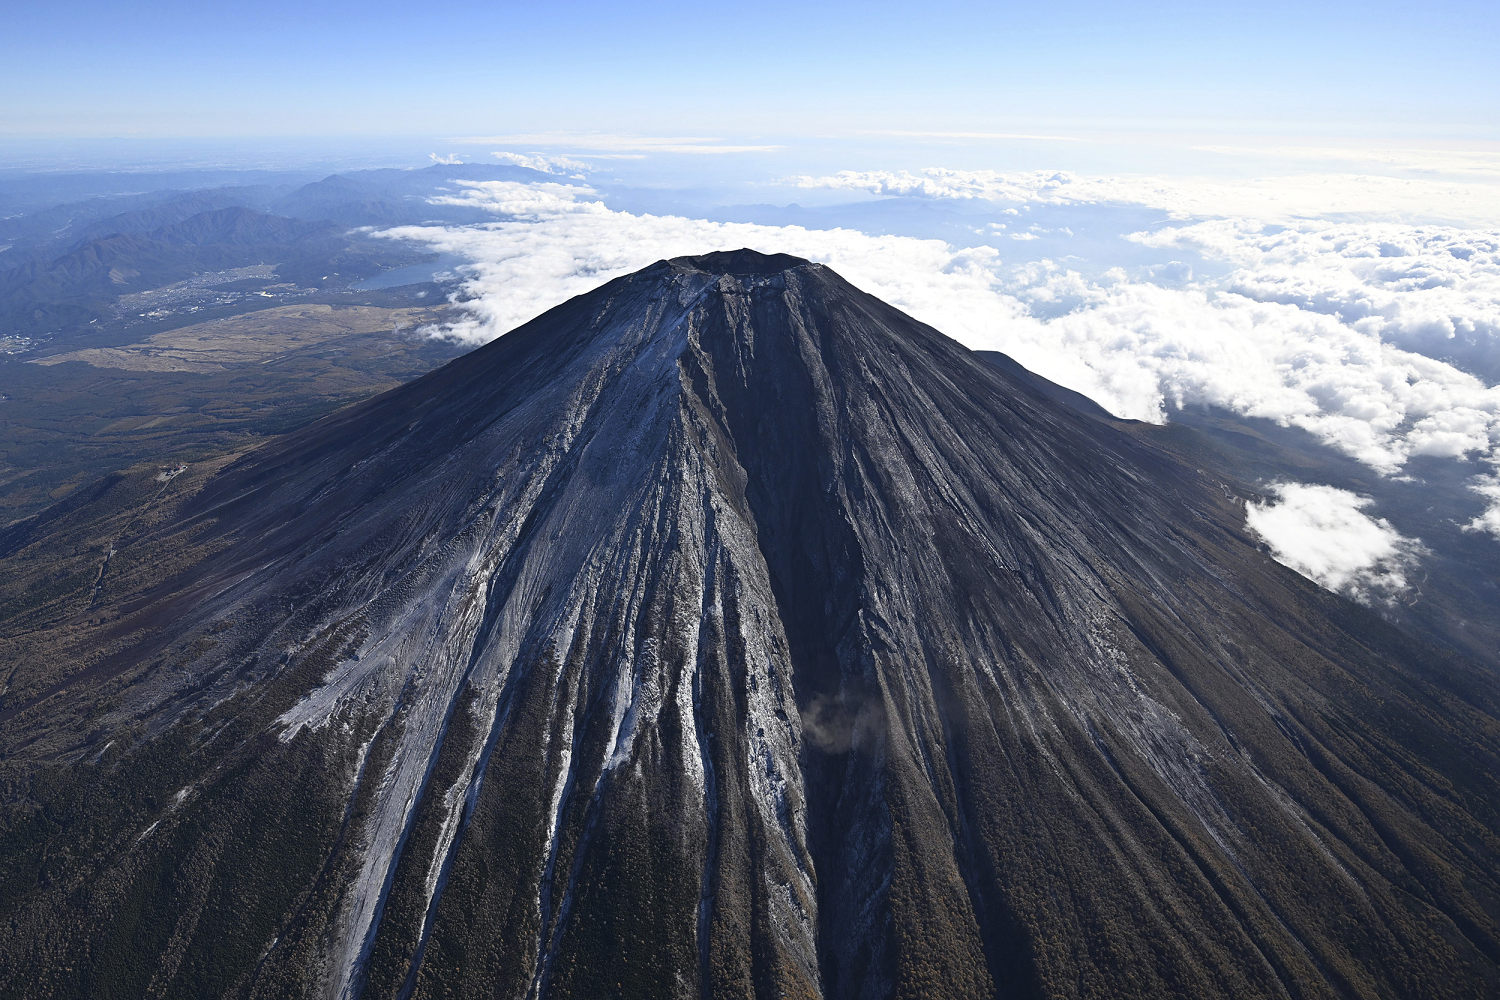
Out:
{"x": 64, "y": 292}
{"x": 722, "y": 632}
{"x": 123, "y": 260}
{"x": 47, "y": 233}
{"x": 65, "y": 266}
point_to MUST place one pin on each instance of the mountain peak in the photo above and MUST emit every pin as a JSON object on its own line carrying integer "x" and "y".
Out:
{"x": 741, "y": 263}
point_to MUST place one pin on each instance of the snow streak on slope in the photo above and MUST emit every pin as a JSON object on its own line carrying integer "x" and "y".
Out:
{"x": 551, "y": 559}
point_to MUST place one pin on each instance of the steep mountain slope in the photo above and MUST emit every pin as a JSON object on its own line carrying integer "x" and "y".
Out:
{"x": 725, "y": 632}
{"x": 1455, "y": 602}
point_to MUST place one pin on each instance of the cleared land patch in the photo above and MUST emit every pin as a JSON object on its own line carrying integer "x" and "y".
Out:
{"x": 259, "y": 337}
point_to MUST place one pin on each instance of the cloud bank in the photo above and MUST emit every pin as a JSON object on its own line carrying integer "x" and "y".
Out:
{"x": 1489, "y": 488}
{"x": 1430, "y": 289}
{"x": 523, "y": 201}
{"x": 1484, "y": 163}
{"x": 1266, "y": 198}
{"x": 1324, "y": 534}
{"x": 542, "y": 163}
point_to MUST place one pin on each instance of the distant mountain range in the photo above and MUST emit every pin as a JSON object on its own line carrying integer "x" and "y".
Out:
{"x": 66, "y": 264}
{"x": 723, "y": 632}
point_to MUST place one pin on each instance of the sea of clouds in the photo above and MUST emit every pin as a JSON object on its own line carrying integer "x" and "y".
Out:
{"x": 1365, "y": 310}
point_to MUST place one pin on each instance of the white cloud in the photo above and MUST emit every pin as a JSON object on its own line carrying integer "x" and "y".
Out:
{"x": 450, "y": 160}
{"x": 1489, "y": 520}
{"x": 1430, "y": 289}
{"x": 938, "y": 182}
{"x": 543, "y": 163}
{"x": 1324, "y": 534}
{"x": 1148, "y": 345}
{"x": 1479, "y": 162}
{"x": 1266, "y": 198}
{"x": 523, "y": 201}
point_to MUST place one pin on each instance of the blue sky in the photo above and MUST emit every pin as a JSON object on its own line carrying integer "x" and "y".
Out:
{"x": 1359, "y": 70}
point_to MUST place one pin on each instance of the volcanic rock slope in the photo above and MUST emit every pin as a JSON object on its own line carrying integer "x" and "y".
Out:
{"x": 725, "y": 632}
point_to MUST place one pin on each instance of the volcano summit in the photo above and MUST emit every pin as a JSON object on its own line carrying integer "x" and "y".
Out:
{"x": 725, "y": 632}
